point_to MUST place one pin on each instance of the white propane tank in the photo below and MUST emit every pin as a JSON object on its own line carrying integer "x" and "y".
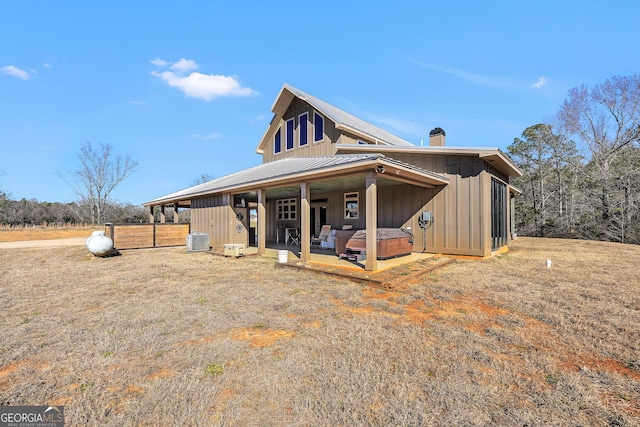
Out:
{"x": 99, "y": 244}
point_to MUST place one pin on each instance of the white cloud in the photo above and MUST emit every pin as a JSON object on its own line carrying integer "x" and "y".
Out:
{"x": 47, "y": 65}
{"x": 14, "y": 71}
{"x": 198, "y": 85}
{"x": 541, "y": 82}
{"x": 184, "y": 66}
{"x": 159, "y": 62}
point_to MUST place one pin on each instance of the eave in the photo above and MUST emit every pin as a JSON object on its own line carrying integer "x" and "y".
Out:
{"x": 493, "y": 156}
{"x": 393, "y": 171}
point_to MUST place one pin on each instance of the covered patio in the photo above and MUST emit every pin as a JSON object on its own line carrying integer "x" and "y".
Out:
{"x": 303, "y": 179}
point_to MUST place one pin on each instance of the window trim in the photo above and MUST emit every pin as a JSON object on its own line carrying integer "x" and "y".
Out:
{"x": 316, "y": 116}
{"x": 303, "y": 140}
{"x": 351, "y": 205}
{"x": 290, "y": 133}
{"x": 277, "y": 141}
{"x": 286, "y": 209}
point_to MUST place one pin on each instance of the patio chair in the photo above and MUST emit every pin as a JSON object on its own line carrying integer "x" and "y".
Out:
{"x": 316, "y": 242}
{"x": 294, "y": 238}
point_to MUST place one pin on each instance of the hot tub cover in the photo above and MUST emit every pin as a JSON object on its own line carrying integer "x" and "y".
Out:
{"x": 383, "y": 234}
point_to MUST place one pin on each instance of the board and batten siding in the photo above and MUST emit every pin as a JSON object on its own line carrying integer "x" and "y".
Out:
{"x": 335, "y": 209}
{"x": 459, "y": 209}
{"x": 335, "y": 214}
{"x": 326, "y": 147}
{"x": 321, "y": 148}
{"x": 213, "y": 215}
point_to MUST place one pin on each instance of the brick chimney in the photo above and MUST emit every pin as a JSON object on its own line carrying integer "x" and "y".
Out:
{"x": 437, "y": 137}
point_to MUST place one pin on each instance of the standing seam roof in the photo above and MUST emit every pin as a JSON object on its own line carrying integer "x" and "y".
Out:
{"x": 271, "y": 170}
{"x": 283, "y": 168}
{"x": 341, "y": 117}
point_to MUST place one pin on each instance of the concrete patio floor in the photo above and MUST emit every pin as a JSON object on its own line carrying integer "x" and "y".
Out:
{"x": 328, "y": 257}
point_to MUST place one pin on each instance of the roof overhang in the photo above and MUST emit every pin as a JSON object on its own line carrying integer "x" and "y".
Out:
{"x": 493, "y": 156}
{"x": 386, "y": 169}
{"x": 279, "y": 108}
{"x": 515, "y": 190}
{"x": 343, "y": 121}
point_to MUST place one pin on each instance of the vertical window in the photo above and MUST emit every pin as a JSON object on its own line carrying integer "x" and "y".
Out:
{"x": 318, "y": 127}
{"x": 290, "y": 138}
{"x": 498, "y": 214}
{"x": 277, "y": 142}
{"x": 351, "y": 205}
{"x": 303, "y": 129}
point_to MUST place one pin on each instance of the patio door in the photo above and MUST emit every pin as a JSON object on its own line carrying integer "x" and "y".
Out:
{"x": 318, "y": 218}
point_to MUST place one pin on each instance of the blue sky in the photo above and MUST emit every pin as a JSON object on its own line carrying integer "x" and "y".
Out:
{"x": 186, "y": 87}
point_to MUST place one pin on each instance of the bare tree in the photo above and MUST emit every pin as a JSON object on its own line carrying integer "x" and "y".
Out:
{"x": 100, "y": 172}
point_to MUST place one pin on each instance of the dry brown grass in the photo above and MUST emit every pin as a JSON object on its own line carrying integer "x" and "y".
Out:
{"x": 16, "y": 234}
{"x": 162, "y": 337}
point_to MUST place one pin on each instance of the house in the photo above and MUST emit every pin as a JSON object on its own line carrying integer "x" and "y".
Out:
{"x": 322, "y": 165}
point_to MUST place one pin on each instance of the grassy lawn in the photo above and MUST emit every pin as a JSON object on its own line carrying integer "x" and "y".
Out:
{"x": 161, "y": 337}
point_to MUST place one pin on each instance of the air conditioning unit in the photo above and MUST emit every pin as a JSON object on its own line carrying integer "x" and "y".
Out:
{"x": 197, "y": 242}
{"x": 234, "y": 249}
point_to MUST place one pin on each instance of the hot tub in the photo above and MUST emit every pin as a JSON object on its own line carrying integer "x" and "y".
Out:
{"x": 390, "y": 243}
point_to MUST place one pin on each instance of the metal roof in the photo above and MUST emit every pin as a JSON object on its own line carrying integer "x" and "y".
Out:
{"x": 343, "y": 120}
{"x": 288, "y": 168}
{"x": 341, "y": 117}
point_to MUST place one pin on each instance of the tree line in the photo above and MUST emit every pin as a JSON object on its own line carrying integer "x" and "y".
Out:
{"x": 34, "y": 212}
{"x": 581, "y": 169}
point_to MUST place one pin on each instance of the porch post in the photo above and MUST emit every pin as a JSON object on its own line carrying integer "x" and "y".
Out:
{"x": 371, "y": 222}
{"x": 175, "y": 213}
{"x": 262, "y": 222}
{"x": 305, "y": 221}
{"x": 162, "y": 217}
{"x": 152, "y": 217}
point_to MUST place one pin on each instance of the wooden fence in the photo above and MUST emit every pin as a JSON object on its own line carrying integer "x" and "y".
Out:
{"x": 138, "y": 236}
